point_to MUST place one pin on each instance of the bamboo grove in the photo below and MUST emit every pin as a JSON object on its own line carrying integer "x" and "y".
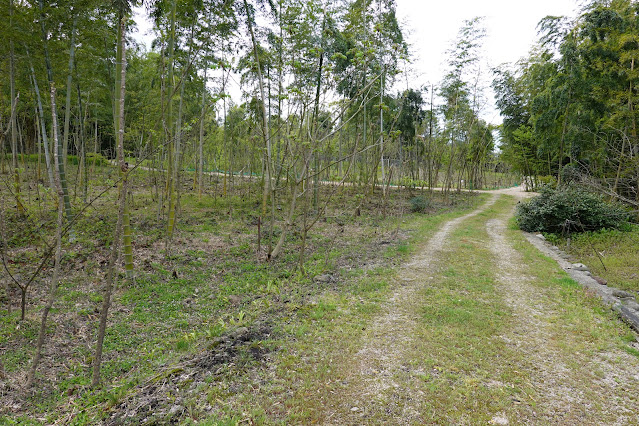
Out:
{"x": 570, "y": 108}
{"x": 320, "y": 105}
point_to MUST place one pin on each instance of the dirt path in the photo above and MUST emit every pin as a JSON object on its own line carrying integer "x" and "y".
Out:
{"x": 387, "y": 339}
{"x": 575, "y": 396}
{"x": 563, "y": 383}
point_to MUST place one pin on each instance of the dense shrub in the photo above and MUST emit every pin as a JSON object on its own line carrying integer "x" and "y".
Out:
{"x": 569, "y": 209}
{"x": 420, "y": 204}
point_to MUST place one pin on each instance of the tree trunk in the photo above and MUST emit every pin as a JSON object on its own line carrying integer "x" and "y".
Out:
{"x": 13, "y": 123}
{"x": 264, "y": 121}
{"x": 170, "y": 175}
{"x": 122, "y": 209}
{"x": 200, "y": 148}
{"x": 58, "y": 147}
{"x": 67, "y": 110}
{"x": 58, "y": 253}
{"x": 43, "y": 132}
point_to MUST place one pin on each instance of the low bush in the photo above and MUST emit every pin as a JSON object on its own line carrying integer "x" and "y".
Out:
{"x": 420, "y": 204}
{"x": 569, "y": 209}
{"x": 547, "y": 181}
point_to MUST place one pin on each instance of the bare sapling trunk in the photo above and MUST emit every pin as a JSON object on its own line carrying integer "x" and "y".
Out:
{"x": 53, "y": 285}
{"x": 264, "y": 119}
{"x": 67, "y": 105}
{"x": 171, "y": 151}
{"x": 291, "y": 212}
{"x": 58, "y": 146}
{"x": 13, "y": 121}
{"x": 200, "y": 147}
{"x": 115, "y": 246}
{"x": 24, "y": 287}
{"x": 3, "y": 256}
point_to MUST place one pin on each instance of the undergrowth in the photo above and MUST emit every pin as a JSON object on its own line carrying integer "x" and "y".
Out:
{"x": 212, "y": 283}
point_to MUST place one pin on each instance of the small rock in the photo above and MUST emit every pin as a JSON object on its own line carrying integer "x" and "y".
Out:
{"x": 600, "y": 280}
{"x": 175, "y": 409}
{"x": 354, "y": 409}
{"x": 326, "y": 278}
{"x": 622, "y": 294}
{"x": 499, "y": 419}
{"x": 234, "y": 300}
{"x": 240, "y": 332}
{"x": 541, "y": 237}
{"x": 579, "y": 267}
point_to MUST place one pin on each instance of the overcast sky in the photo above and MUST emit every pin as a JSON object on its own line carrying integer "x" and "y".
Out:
{"x": 432, "y": 26}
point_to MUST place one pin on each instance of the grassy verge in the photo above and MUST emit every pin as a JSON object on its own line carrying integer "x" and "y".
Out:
{"x": 609, "y": 254}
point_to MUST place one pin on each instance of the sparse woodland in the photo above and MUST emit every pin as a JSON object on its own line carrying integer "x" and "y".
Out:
{"x": 144, "y": 210}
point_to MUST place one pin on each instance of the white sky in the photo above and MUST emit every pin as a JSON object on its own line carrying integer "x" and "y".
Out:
{"x": 431, "y": 26}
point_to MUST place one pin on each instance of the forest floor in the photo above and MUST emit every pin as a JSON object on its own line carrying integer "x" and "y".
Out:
{"x": 452, "y": 317}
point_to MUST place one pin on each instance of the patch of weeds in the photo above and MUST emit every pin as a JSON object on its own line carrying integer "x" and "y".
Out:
{"x": 616, "y": 249}
{"x": 182, "y": 345}
{"x": 632, "y": 351}
{"x": 370, "y": 285}
{"x": 96, "y": 298}
{"x": 420, "y": 204}
{"x": 322, "y": 310}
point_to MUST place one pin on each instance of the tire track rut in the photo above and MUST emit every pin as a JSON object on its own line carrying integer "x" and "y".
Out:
{"x": 373, "y": 369}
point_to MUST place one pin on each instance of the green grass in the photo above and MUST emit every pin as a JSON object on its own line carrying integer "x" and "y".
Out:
{"x": 327, "y": 332}
{"x": 158, "y": 321}
{"x": 458, "y": 346}
{"x": 618, "y": 250}
{"x": 158, "y": 324}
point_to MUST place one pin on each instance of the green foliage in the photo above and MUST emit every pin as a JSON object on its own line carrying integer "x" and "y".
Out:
{"x": 550, "y": 181}
{"x": 570, "y": 108}
{"x": 420, "y": 204}
{"x": 609, "y": 253}
{"x": 569, "y": 209}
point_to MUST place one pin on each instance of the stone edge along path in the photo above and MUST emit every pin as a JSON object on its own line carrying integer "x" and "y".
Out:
{"x": 621, "y": 301}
